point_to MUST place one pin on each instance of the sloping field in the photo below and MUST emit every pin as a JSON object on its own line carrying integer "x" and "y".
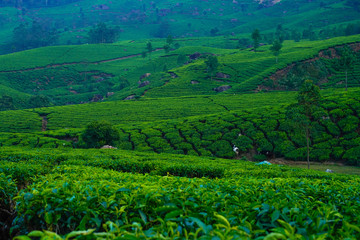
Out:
{"x": 202, "y": 126}
{"x": 78, "y": 74}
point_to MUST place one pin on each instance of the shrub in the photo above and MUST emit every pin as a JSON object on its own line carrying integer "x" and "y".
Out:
{"x": 8, "y": 190}
{"x": 243, "y": 143}
{"x": 320, "y": 154}
{"x": 222, "y": 149}
{"x": 100, "y": 133}
{"x": 353, "y": 156}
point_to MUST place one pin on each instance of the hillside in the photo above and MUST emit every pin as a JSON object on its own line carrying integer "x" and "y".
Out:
{"x": 200, "y": 126}
{"x": 71, "y": 20}
{"x": 178, "y": 120}
{"x": 88, "y": 73}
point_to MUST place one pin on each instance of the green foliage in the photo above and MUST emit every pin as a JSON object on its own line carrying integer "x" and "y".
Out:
{"x": 134, "y": 201}
{"x": 156, "y": 127}
{"x": 34, "y": 36}
{"x": 101, "y": 33}
{"x": 100, "y": 133}
{"x": 275, "y": 48}
{"x": 306, "y": 111}
{"x": 212, "y": 64}
{"x": 8, "y": 190}
{"x": 149, "y": 48}
{"x": 256, "y": 37}
{"x": 6, "y": 103}
{"x": 39, "y": 101}
{"x": 346, "y": 61}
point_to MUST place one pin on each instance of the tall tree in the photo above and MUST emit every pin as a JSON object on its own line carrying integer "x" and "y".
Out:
{"x": 256, "y": 38}
{"x": 305, "y": 111}
{"x": 212, "y": 64}
{"x": 280, "y": 33}
{"x": 346, "y": 62}
{"x": 275, "y": 48}
{"x": 149, "y": 49}
{"x": 170, "y": 40}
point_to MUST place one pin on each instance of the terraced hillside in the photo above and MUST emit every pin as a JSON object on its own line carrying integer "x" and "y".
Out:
{"x": 193, "y": 118}
{"x": 201, "y": 126}
{"x": 87, "y": 73}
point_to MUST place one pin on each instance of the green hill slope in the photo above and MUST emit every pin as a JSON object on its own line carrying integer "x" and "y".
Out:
{"x": 147, "y": 19}
{"x": 201, "y": 126}
{"x": 77, "y": 74}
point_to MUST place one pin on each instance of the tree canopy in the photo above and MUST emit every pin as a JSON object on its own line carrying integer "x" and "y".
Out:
{"x": 101, "y": 33}
{"x": 275, "y": 48}
{"x": 256, "y": 38}
{"x": 26, "y": 36}
{"x": 212, "y": 64}
{"x": 100, "y": 133}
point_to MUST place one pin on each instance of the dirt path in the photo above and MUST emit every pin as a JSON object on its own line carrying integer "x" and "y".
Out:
{"x": 76, "y": 63}
{"x": 44, "y": 123}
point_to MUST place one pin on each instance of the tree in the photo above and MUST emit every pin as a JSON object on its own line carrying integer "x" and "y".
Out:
{"x": 170, "y": 40}
{"x": 214, "y": 31}
{"x": 36, "y": 35}
{"x": 163, "y": 31}
{"x": 346, "y": 62}
{"x": 305, "y": 111}
{"x": 296, "y": 36}
{"x": 101, "y": 33}
{"x": 167, "y": 48}
{"x": 280, "y": 33}
{"x": 212, "y": 64}
{"x": 256, "y": 38}
{"x": 149, "y": 49}
{"x": 39, "y": 101}
{"x": 6, "y": 103}
{"x": 275, "y": 48}
{"x": 100, "y": 133}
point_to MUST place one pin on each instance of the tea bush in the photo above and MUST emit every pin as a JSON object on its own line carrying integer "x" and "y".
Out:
{"x": 251, "y": 207}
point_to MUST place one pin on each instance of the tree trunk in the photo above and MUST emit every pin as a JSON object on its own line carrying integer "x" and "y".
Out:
{"x": 308, "y": 146}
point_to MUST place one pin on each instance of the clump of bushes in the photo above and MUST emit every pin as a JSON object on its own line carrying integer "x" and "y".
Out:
{"x": 99, "y": 133}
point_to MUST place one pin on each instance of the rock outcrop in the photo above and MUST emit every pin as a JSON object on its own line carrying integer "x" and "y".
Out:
{"x": 222, "y": 88}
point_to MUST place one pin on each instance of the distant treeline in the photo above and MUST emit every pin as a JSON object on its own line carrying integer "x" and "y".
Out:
{"x": 34, "y": 3}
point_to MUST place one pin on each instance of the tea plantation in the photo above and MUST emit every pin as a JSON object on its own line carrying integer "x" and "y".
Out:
{"x": 201, "y": 126}
{"x": 175, "y": 174}
{"x": 66, "y": 191}
{"x": 99, "y": 72}
{"x": 50, "y": 190}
